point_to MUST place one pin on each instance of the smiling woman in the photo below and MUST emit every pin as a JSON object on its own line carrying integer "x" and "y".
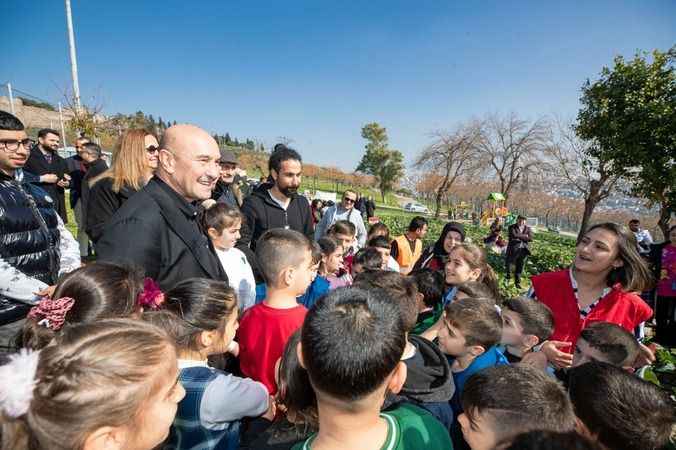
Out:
{"x": 600, "y": 286}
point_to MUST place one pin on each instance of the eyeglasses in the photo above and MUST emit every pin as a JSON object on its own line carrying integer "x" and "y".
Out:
{"x": 349, "y": 200}
{"x": 152, "y": 149}
{"x": 12, "y": 145}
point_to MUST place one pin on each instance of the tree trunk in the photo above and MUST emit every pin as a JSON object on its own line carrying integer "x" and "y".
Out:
{"x": 590, "y": 203}
{"x": 663, "y": 223}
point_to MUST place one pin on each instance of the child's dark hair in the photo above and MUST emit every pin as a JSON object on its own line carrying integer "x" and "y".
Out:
{"x": 352, "y": 340}
{"x": 400, "y": 289}
{"x": 622, "y": 410}
{"x": 516, "y": 399}
{"x": 368, "y": 258}
{"x": 294, "y": 389}
{"x": 343, "y": 227}
{"x": 278, "y": 249}
{"x": 316, "y": 252}
{"x": 221, "y": 216}
{"x": 475, "y": 289}
{"x": 549, "y": 440}
{"x": 378, "y": 229}
{"x": 475, "y": 257}
{"x": 379, "y": 242}
{"x": 417, "y": 223}
{"x": 192, "y": 306}
{"x": 327, "y": 246}
{"x": 477, "y": 319}
{"x": 617, "y": 344}
{"x": 100, "y": 291}
{"x": 430, "y": 284}
{"x": 536, "y": 318}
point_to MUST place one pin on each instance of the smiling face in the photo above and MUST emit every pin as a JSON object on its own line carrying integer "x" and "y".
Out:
{"x": 10, "y": 160}
{"x": 452, "y": 239}
{"x": 349, "y": 199}
{"x": 457, "y": 270}
{"x": 152, "y": 151}
{"x": 451, "y": 340}
{"x": 597, "y": 252}
{"x": 226, "y": 239}
{"x": 50, "y": 142}
{"x": 228, "y": 171}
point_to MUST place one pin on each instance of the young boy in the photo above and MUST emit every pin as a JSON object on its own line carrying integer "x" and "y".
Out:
{"x": 620, "y": 410}
{"x": 429, "y": 382}
{"x": 351, "y": 385}
{"x": 382, "y": 244}
{"x": 606, "y": 342}
{"x": 471, "y": 330}
{"x": 344, "y": 233}
{"x": 285, "y": 258}
{"x": 431, "y": 287}
{"x": 525, "y": 324}
{"x": 366, "y": 259}
{"x": 502, "y": 402}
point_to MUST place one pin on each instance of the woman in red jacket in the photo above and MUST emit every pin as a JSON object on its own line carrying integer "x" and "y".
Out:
{"x": 600, "y": 286}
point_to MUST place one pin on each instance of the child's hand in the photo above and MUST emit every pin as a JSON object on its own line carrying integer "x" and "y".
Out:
{"x": 556, "y": 357}
{"x": 645, "y": 356}
{"x": 433, "y": 332}
{"x": 272, "y": 409}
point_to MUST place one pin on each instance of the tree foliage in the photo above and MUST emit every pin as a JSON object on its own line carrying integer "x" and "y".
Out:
{"x": 379, "y": 160}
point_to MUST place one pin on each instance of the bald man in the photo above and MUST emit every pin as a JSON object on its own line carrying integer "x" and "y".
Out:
{"x": 158, "y": 228}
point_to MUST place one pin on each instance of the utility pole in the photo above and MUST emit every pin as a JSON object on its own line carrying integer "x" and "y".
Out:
{"x": 63, "y": 130}
{"x": 11, "y": 99}
{"x": 73, "y": 56}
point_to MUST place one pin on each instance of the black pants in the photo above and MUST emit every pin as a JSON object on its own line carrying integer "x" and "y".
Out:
{"x": 665, "y": 333}
{"x": 518, "y": 258}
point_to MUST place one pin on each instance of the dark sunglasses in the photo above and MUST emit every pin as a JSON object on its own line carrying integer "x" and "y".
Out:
{"x": 152, "y": 149}
{"x": 349, "y": 200}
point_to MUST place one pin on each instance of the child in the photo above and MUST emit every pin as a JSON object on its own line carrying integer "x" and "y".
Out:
{"x": 549, "y": 440}
{"x": 429, "y": 383}
{"x": 366, "y": 259}
{"x": 502, "y": 402}
{"x": 105, "y": 384}
{"x": 471, "y": 330}
{"x": 382, "y": 244}
{"x": 92, "y": 292}
{"x": 200, "y": 315}
{"x": 223, "y": 223}
{"x": 606, "y": 342}
{"x": 467, "y": 262}
{"x": 285, "y": 258}
{"x": 296, "y": 398}
{"x": 344, "y": 233}
{"x": 380, "y": 229}
{"x": 430, "y": 285}
{"x": 620, "y": 410}
{"x": 351, "y": 385}
{"x": 332, "y": 261}
{"x": 525, "y": 324}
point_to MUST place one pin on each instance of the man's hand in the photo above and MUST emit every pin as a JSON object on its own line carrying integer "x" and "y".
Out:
{"x": 50, "y": 178}
{"x": 556, "y": 357}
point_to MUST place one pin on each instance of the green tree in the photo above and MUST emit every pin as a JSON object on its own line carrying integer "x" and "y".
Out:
{"x": 385, "y": 164}
{"x": 630, "y": 112}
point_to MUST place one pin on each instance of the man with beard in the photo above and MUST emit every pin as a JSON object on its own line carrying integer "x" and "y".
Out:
{"x": 35, "y": 247}
{"x": 45, "y": 162}
{"x": 159, "y": 228}
{"x": 277, "y": 204}
{"x": 227, "y": 190}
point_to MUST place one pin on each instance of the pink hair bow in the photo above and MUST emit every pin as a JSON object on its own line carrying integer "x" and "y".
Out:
{"x": 51, "y": 313}
{"x": 151, "y": 296}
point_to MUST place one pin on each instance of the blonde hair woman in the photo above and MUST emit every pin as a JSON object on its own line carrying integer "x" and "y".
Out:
{"x": 134, "y": 162}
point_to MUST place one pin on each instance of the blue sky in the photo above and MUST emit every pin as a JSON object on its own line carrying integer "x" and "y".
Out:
{"x": 316, "y": 71}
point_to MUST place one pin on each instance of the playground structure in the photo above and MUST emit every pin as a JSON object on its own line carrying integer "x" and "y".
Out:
{"x": 498, "y": 210}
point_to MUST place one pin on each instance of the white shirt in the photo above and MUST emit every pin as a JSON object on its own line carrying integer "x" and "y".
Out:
{"x": 240, "y": 276}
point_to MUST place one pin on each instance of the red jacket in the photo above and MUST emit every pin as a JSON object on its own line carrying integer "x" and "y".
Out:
{"x": 554, "y": 289}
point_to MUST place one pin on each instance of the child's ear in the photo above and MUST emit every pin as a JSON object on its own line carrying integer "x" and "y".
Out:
{"x": 420, "y": 300}
{"x": 286, "y": 277}
{"x": 206, "y": 338}
{"x": 475, "y": 274}
{"x": 299, "y": 354}
{"x": 106, "y": 438}
{"x": 213, "y": 234}
{"x": 530, "y": 340}
{"x": 477, "y": 350}
{"x": 398, "y": 378}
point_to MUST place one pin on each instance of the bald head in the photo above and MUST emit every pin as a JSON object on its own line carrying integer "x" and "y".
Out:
{"x": 189, "y": 159}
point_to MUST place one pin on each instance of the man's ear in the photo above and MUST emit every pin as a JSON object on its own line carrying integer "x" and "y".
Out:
{"x": 477, "y": 350}
{"x": 167, "y": 161}
{"x": 398, "y": 378}
{"x": 299, "y": 354}
{"x": 274, "y": 174}
{"x": 106, "y": 438}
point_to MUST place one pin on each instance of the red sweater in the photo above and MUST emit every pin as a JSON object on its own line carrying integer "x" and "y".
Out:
{"x": 263, "y": 333}
{"x": 554, "y": 289}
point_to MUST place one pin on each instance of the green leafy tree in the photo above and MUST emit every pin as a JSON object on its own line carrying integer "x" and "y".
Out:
{"x": 379, "y": 160}
{"x": 630, "y": 113}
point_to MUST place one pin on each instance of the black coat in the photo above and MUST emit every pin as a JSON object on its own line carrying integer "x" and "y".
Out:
{"x": 76, "y": 168}
{"x": 102, "y": 203}
{"x": 159, "y": 231}
{"x": 518, "y": 242}
{"x": 94, "y": 170}
{"x": 37, "y": 164}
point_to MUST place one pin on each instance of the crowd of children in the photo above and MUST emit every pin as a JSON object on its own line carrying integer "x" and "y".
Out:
{"x": 339, "y": 350}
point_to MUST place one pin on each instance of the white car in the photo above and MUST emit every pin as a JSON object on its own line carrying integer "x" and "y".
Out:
{"x": 416, "y": 207}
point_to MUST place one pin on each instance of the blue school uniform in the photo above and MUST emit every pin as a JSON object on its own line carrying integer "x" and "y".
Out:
{"x": 318, "y": 288}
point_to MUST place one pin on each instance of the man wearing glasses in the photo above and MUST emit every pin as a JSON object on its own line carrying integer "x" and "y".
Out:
{"x": 35, "y": 247}
{"x": 343, "y": 211}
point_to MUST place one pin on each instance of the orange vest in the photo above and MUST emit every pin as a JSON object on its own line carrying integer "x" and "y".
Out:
{"x": 404, "y": 257}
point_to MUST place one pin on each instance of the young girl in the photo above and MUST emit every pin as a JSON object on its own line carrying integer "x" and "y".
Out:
{"x": 600, "y": 286}
{"x": 111, "y": 384}
{"x": 467, "y": 262}
{"x": 332, "y": 263}
{"x": 200, "y": 315}
{"x": 93, "y": 292}
{"x": 343, "y": 232}
{"x": 223, "y": 223}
